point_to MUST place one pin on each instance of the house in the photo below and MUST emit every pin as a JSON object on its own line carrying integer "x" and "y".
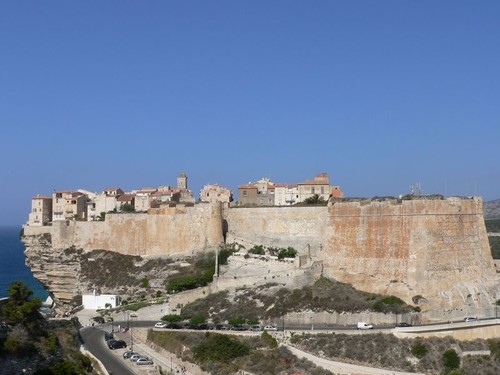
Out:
{"x": 264, "y": 192}
{"x": 285, "y": 194}
{"x": 259, "y": 193}
{"x": 319, "y": 185}
{"x": 68, "y": 205}
{"x": 126, "y": 198}
{"x": 41, "y": 211}
{"x": 213, "y": 193}
{"x": 107, "y": 201}
{"x": 143, "y": 199}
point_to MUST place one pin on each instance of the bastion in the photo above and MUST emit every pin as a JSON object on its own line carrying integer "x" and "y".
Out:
{"x": 430, "y": 251}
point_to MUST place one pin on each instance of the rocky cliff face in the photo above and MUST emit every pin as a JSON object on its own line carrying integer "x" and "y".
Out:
{"x": 56, "y": 271}
{"x": 431, "y": 251}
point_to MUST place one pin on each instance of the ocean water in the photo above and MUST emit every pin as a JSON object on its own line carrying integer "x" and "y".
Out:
{"x": 12, "y": 265}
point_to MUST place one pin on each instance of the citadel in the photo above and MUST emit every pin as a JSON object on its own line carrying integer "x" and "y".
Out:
{"x": 430, "y": 251}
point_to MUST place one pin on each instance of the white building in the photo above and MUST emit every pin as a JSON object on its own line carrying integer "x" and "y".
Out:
{"x": 100, "y": 301}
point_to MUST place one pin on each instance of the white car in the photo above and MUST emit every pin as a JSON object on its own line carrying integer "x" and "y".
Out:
{"x": 161, "y": 325}
{"x": 470, "y": 319}
{"x": 270, "y": 328}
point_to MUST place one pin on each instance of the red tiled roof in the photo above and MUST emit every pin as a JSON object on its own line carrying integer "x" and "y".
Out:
{"x": 41, "y": 197}
{"x": 125, "y": 197}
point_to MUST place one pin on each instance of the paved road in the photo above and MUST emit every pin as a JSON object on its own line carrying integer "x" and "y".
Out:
{"x": 93, "y": 340}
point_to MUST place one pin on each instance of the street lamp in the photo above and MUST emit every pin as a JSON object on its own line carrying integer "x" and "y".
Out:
{"x": 131, "y": 338}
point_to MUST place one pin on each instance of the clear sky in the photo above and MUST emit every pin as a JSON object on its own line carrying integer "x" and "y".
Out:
{"x": 381, "y": 95}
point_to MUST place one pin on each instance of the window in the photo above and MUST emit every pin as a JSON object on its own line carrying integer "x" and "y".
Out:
{"x": 244, "y": 193}
{"x": 312, "y": 189}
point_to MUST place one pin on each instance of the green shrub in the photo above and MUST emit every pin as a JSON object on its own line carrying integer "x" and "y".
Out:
{"x": 197, "y": 319}
{"x": 269, "y": 340}
{"x": 144, "y": 282}
{"x": 238, "y": 320}
{"x": 171, "y": 318}
{"x": 419, "y": 350}
{"x": 217, "y": 347}
{"x": 289, "y": 252}
{"x": 258, "y": 250}
{"x": 451, "y": 360}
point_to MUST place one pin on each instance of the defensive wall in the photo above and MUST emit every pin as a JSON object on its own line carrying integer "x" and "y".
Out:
{"x": 167, "y": 231}
{"x": 430, "y": 251}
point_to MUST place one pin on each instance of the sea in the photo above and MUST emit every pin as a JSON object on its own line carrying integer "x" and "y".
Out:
{"x": 13, "y": 266}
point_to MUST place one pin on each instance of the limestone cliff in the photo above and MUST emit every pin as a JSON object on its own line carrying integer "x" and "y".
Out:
{"x": 426, "y": 250}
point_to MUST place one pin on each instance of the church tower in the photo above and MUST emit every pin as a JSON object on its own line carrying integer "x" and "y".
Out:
{"x": 182, "y": 181}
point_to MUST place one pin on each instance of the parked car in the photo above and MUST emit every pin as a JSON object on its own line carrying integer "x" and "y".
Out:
{"x": 257, "y": 327}
{"x": 108, "y": 336}
{"x": 363, "y": 325}
{"x": 117, "y": 344}
{"x": 470, "y": 319}
{"x": 238, "y": 327}
{"x": 127, "y": 355}
{"x": 270, "y": 328}
{"x": 403, "y": 324}
{"x": 144, "y": 361}
{"x": 161, "y": 325}
{"x": 134, "y": 357}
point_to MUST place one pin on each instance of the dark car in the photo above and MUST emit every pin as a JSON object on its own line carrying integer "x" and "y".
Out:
{"x": 98, "y": 319}
{"x": 116, "y": 344}
{"x": 403, "y": 324}
{"x": 108, "y": 336}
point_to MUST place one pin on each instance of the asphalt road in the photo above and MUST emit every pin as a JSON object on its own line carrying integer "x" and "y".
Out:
{"x": 93, "y": 339}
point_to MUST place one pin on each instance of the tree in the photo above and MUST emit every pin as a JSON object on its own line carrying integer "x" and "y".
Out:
{"x": 127, "y": 208}
{"x": 171, "y": 318}
{"x": 315, "y": 199}
{"x": 20, "y": 309}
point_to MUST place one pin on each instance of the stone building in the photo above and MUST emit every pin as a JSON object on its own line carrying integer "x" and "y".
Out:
{"x": 68, "y": 205}
{"x": 213, "y": 193}
{"x": 264, "y": 192}
{"x": 41, "y": 211}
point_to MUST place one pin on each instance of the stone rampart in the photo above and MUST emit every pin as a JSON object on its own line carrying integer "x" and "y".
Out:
{"x": 430, "y": 251}
{"x": 427, "y": 250}
{"x": 162, "y": 232}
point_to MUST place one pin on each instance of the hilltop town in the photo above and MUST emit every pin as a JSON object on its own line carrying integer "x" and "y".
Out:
{"x": 84, "y": 205}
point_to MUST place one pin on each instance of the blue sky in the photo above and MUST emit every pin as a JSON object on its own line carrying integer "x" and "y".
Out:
{"x": 378, "y": 94}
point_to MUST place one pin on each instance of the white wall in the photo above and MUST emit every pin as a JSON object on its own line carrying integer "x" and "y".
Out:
{"x": 99, "y": 301}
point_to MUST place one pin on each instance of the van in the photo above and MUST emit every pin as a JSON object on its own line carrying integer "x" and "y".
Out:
{"x": 363, "y": 325}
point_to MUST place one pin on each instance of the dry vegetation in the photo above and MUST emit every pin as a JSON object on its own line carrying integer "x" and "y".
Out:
{"x": 429, "y": 356}
{"x": 269, "y": 302}
{"x": 226, "y": 354}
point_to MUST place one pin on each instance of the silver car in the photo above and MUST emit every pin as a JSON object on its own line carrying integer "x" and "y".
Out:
{"x": 144, "y": 361}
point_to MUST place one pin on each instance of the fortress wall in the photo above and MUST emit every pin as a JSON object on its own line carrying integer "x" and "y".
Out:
{"x": 166, "y": 231}
{"x": 430, "y": 247}
{"x": 435, "y": 248}
{"x": 299, "y": 227}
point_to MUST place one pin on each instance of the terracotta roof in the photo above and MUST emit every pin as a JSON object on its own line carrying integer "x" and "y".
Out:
{"x": 125, "y": 197}
{"x": 313, "y": 182}
{"x": 247, "y": 186}
{"x": 285, "y": 185}
{"x": 147, "y": 190}
{"x": 41, "y": 197}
